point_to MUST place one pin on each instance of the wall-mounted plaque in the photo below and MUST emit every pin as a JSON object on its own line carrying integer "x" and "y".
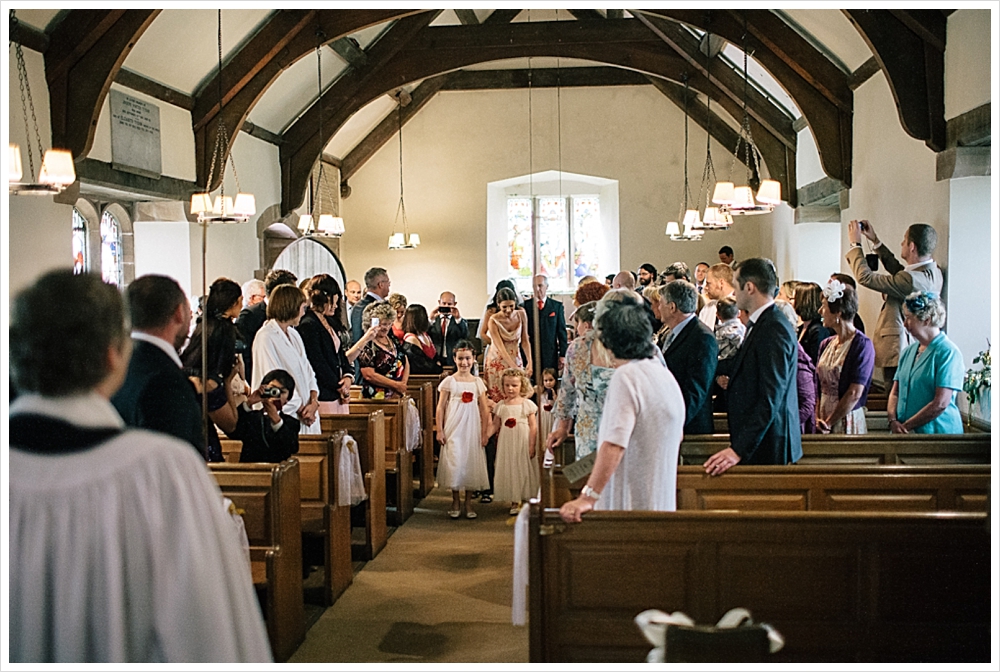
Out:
{"x": 135, "y": 135}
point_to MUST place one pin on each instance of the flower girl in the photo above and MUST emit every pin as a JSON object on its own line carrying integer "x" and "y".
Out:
{"x": 515, "y": 418}
{"x": 463, "y": 429}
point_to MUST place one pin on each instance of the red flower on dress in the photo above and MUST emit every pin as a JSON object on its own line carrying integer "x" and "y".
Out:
{"x": 467, "y": 397}
{"x": 547, "y": 407}
{"x": 511, "y": 422}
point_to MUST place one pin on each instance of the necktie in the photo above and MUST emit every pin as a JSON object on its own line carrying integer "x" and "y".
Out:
{"x": 444, "y": 335}
{"x": 670, "y": 339}
{"x": 541, "y": 305}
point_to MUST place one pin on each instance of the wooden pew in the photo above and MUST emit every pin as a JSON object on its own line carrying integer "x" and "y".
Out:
{"x": 398, "y": 461}
{"x": 912, "y": 449}
{"x": 876, "y": 421}
{"x": 318, "y": 456}
{"x": 816, "y": 488}
{"x": 268, "y": 495}
{"x": 424, "y": 392}
{"x": 840, "y": 587}
{"x": 369, "y": 433}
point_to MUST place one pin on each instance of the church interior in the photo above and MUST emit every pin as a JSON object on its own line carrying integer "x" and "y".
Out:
{"x": 416, "y": 134}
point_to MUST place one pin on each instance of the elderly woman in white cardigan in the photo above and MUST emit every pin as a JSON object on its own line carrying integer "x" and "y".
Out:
{"x": 276, "y": 346}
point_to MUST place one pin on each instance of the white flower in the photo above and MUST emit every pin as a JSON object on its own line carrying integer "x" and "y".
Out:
{"x": 833, "y": 290}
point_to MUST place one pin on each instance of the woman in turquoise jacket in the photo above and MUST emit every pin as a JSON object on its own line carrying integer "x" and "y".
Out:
{"x": 922, "y": 400}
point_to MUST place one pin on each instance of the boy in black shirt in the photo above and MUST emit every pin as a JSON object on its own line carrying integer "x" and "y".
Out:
{"x": 268, "y": 435}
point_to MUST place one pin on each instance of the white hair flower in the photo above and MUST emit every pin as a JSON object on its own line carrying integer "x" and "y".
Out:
{"x": 833, "y": 290}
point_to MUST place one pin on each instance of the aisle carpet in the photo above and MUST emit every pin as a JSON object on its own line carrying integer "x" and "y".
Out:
{"x": 440, "y": 591}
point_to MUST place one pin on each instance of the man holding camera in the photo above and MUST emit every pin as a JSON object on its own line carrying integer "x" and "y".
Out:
{"x": 268, "y": 435}
{"x": 920, "y": 274}
{"x": 447, "y": 327}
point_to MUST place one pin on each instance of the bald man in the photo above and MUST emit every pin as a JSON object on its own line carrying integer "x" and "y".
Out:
{"x": 448, "y": 327}
{"x": 623, "y": 279}
{"x": 551, "y": 327}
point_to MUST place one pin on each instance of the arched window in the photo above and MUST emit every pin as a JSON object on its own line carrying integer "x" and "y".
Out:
{"x": 81, "y": 264}
{"x": 111, "y": 249}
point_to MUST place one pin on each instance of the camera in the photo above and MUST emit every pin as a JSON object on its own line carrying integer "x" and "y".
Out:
{"x": 375, "y": 321}
{"x": 444, "y": 309}
{"x": 270, "y": 392}
{"x": 865, "y": 226}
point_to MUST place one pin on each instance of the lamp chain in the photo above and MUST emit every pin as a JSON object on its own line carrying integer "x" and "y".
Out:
{"x": 687, "y": 187}
{"x": 402, "y": 204}
{"x": 318, "y": 186}
{"x": 22, "y": 78}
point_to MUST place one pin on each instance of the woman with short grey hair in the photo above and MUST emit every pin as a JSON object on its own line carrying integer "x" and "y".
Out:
{"x": 930, "y": 373}
{"x": 636, "y": 463}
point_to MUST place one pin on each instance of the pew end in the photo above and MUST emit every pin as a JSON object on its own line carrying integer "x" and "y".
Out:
{"x": 840, "y": 587}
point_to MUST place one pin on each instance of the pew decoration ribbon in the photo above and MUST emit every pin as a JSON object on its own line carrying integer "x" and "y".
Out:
{"x": 239, "y": 527}
{"x": 351, "y": 482}
{"x": 655, "y": 623}
{"x": 413, "y": 439}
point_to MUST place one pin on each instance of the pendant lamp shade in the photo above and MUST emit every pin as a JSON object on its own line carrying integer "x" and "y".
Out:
{"x": 14, "y": 163}
{"x": 724, "y": 193}
{"x": 769, "y": 192}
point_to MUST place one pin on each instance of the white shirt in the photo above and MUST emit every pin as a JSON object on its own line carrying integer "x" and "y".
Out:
{"x": 709, "y": 312}
{"x": 643, "y": 411}
{"x": 273, "y": 349}
{"x": 161, "y": 344}
{"x": 123, "y": 552}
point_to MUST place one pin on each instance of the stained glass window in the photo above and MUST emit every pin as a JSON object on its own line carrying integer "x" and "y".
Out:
{"x": 79, "y": 243}
{"x": 586, "y": 236}
{"x": 519, "y": 257}
{"x": 111, "y": 249}
{"x": 559, "y": 240}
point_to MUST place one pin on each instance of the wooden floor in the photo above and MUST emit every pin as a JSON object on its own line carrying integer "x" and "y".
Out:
{"x": 440, "y": 591}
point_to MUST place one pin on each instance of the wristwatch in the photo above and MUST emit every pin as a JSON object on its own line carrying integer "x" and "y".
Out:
{"x": 853, "y": 245}
{"x": 590, "y": 492}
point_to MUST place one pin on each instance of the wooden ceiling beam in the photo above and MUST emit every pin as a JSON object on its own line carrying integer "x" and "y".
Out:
{"x": 586, "y": 14}
{"x": 349, "y": 50}
{"x": 301, "y": 141}
{"x": 389, "y": 126}
{"x": 467, "y": 17}
{"x": 542, "y": 78}
{"x": 288, "y": 36}
{"x": 30, "y": 37}
{"x": 777, "y": 121}
{"x": 818, "y": 87}
{"x": 501, "y": 16}
{"x": 913, "y": 62}
{"x": 438, "y": 50}
{"x": 86, "y": 51}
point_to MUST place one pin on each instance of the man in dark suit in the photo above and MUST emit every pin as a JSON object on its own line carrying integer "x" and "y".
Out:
{"x": 156, "y": 394}
{"x": 551, "y": 328}
{"x": 762, "y": 392}
{"x": 253, "y": 316}
{"x": 691, "y": 352}
{"x": 448, "y": 327}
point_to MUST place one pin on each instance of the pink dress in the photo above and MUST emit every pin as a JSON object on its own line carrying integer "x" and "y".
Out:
{"x": 494, "y": 364}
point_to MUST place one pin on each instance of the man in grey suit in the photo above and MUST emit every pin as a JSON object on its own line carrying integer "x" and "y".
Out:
{"x": 920, "y": 274}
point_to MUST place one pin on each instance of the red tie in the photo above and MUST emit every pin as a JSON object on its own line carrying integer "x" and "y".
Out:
{"x": 541, "y": 304}
{"x": 444, "y": 327}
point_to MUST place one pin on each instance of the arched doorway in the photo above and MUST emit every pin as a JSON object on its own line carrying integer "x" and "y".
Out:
{"x": 306, "y": 257}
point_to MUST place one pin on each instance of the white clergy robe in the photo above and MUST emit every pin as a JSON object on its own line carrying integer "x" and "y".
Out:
{"x": 122, "y": 552}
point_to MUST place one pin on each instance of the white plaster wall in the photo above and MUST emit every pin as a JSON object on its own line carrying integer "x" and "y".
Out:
{"x": 461, "y": 141}
{"x": 971, "y": 295}
{"x": 176, "y": 136}
{"x": 233, "y": 249}
{"x": 808, "y": 168}
{"x": 163, "y": 248}
{"x": 967, "y": 61}
{"x": 38, "y": 230}
{"x": 894, "y": 183}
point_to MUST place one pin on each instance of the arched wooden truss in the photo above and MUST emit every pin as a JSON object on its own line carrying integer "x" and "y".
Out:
{"x": 85, "y": 51}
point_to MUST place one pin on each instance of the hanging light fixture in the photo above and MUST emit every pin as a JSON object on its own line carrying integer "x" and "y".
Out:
{"x": 57, "y": 171}
{"x": 222, "y": 209}
{"x": 689, "y": 217}
{"x": 313, "y": 222}
{"x": 401, "y": 240}
{"x": 739, "y": 200}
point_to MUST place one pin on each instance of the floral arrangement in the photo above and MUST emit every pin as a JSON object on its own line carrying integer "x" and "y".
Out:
{"x": 977, "y": 381}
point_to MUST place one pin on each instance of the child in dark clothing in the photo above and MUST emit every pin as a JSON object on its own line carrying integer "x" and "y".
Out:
{"x": 268, "y": 435}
